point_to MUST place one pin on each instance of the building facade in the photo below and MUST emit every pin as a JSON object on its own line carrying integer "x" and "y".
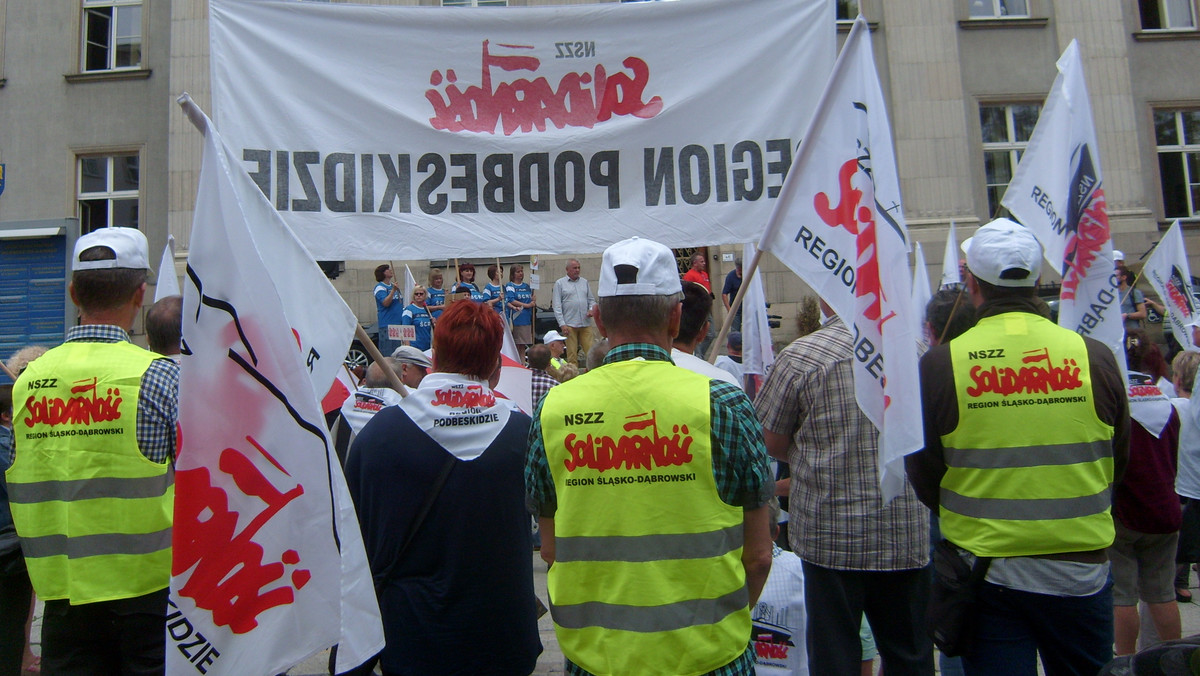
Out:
{"x": 91, "y": 135}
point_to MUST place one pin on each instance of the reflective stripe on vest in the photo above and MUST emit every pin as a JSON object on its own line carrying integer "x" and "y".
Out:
{"x": 647, "y": 577}
{"x": 1029, "y": 467}
{"x": 94, "y": 515}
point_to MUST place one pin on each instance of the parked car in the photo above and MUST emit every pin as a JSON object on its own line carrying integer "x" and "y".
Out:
{"x": 358, "y": 355}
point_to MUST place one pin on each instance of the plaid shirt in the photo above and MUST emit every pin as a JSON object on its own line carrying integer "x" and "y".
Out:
{"x": 838, "y": 519}
{"x": 541, "y": 382}
{"x": 739, "y": 465}
{"x": 158, "y": 398}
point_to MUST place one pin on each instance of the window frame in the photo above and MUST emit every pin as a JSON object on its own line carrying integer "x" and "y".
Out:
{"x": 849, "y": 19}
{"x": 1012, "y": 147}
{"x": 1164, "y": 10}
{"x": 109, "y": 194}
{"x": 1184, "y": 150}
{"x": 114, "y": 39}
{"x": 997, "y": 14}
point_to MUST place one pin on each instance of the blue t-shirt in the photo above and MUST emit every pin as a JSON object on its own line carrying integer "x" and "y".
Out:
{"x": 476, "y": 294}
{"x": 390, "y": 315}
{"x": 415, "y": 315}
{"x": 436, "y": 297}
{"x": 493, "y": 291}
{"x": 522, "y": 294}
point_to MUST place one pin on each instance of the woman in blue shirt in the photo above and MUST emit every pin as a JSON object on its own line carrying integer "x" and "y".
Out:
{"x": 520, "y": 300}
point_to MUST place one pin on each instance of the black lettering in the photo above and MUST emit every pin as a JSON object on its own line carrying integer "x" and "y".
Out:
{"x": 779, "y": 167}
{"x": 312, "y": 199}
{"x": 573, "y": 160}
{"x": 184, "y": 646}
{"x": 368, "y": 182}
{"x": 398, "y": 184}
{"x": 207, "y": 660}
{"x": 719, "y": 172}
{"x": 659, "y": 176}
{"x": 540, "y": 162}
{"x": 703, "y": 185}
{"x": 435, "y": 165}
{"x": 561, "y": 51}
{"x": 748, "y": 183}
{"x": 468, "y": 183}
{"x": 345, "y": 203}
{"x": 604, "y": 170}
{"x": 261, "y": 175}
{"x": 282, "y": 175}
{"x": 183, "y": 624}
{"x": 499, "y": 195}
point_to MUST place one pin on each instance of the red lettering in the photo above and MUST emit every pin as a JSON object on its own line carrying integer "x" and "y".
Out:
{"x": 632, "y": 451}
{"x": 230, "y": 575}
{"x": 471, "y": 396}
{"x": 1026, "y": 380}
{"x": 75, "y": 410}
{"x": 525, "y": 105}
{"x": 1085, "y": 244}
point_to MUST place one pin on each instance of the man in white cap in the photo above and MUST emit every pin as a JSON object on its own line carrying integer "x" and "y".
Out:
{"x": 650, "y": 483}
{"x": 91, "y": 486}
{"x": 557, "y": 343}
{"x": 1026, "y": 430}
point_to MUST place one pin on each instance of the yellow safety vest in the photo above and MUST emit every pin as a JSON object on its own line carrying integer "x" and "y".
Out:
{"x": 1029, "y": 466}
{"x": 93, "y": 513}
{"x": 648, "y": 576}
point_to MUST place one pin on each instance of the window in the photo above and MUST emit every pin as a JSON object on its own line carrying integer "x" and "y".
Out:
{"x": 108, "y": 192}
{"x": 1167, "y": 14}
{"x": 474, "y": 3}
{"x": 1177, "y": 134}
{"x": 1006, "y": 131}
{"x": 847, "y": 10}
{"x": 992, "y": 9}
{"x": 112, "y": 34}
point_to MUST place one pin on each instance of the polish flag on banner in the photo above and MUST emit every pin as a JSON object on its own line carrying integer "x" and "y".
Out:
{"x": 1057, "y": 192}
{"x": 166, "y": 284}
{"x": 515, "y": 384}
{"x": 1168, "y": 272}
{"x": 268, "y": 565}
{"x": 839, "y": 225}
{"x": 951, "y": 275}
{"x": 758, "y": 353}
{"x": 921, "y": 295}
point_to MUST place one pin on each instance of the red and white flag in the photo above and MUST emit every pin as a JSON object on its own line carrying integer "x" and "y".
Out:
{"x": 839, "y": 224}
{"x": 1058, "y": 193}
{"x": 1168, "y": 272}
{"x": 268, "y": 565}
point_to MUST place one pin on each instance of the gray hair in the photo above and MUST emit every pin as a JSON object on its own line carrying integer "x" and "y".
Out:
{"x": 638, "y": 313}
{"x": 1184, "y": 366}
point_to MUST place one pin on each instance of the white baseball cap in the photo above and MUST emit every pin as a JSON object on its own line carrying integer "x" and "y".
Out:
{"x": 1118, "y": 255}
{"x": 552, "y": 336}
{"x": 638, "y": 267}
{"x": 407, "y": 354}
{"x": 1004, "y": 253}
{"x": 129, "y": 245}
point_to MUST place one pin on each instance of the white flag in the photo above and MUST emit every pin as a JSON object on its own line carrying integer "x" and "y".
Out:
{"x": 921, "y": 294}
{"x": 951, "y": 275}
{"x": 1058, "y": 193}
{"x": 166, "y": 283}
{"x": 1168, "y": 272}
{"x": 268, "y": 566}
{"x": 410, "y": 283}
{"x": 839, "y": 225}
{"x": 758, "y": 353}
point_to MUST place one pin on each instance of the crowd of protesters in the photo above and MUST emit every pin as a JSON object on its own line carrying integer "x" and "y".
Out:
{"x": 1061, "y": 516}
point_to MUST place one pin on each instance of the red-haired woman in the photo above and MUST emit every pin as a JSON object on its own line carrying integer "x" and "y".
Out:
{"x": 439, "y": 488}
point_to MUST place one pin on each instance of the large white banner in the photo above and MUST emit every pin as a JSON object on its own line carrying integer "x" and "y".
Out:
{"x": 1058, "y": 193}
{"x": 1168, "y": 272}
{"x": 268, "y": 564}
{"x": 840, "y": 226}
{"x": 419, "y": 132}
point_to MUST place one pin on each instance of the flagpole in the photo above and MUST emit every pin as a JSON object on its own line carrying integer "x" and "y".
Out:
{"x": 377, "y": 356}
